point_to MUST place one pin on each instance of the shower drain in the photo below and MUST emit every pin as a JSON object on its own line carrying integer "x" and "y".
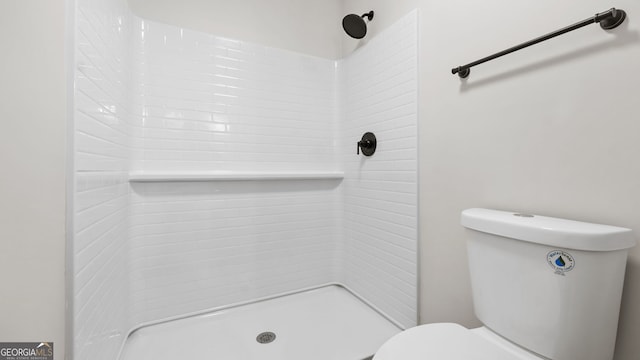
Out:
{"x": 265, "y": 337}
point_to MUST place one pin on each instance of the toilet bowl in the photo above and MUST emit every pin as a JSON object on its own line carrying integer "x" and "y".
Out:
{"x": 451, "y": 342}
{"x": 545, "y": 288}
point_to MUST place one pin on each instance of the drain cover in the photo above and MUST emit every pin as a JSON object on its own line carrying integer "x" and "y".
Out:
{"x": 265, "y": 337}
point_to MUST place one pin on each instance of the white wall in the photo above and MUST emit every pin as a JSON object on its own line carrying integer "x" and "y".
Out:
{"x": 206, "y": 103}
{"x": 203, "y": 104}
{"x": 101, "y": 155}
{"x": 379, "y": 93}
{"x": 309, "y": 26}
{"x": 100, "y": 136}
{"x": 32, "y": 147}
{"x": 549, "y": 130}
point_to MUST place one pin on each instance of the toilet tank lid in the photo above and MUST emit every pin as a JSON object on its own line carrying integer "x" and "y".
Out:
{"x": 550, "y": 231}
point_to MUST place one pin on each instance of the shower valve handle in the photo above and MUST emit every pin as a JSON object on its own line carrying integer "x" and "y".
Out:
{"x": 364, "y": 145}
{"x": 367, "y": 144}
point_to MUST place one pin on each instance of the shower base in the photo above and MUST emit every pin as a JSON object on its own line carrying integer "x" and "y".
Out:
{"x": 328, "y": 323}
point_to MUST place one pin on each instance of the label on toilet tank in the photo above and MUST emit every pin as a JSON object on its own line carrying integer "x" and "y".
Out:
{"x": 560, "y": 261}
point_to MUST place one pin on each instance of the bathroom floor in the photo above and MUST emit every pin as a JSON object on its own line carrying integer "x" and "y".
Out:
{"x": 323, "y": 324}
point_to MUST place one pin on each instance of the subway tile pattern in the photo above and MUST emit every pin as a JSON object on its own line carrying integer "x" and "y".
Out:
{"x": 379, "y": 90}
{"x": 197, "y": 246}
{"x": 100, "y": 265}
{"x": 204, "y": 103}
{"x": 101, "y": 189}
{"x": 207, "y": 103}
{"x": 152, "y": 97}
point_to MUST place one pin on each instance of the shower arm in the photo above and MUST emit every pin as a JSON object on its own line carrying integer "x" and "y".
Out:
{"x": 368, "y": 15}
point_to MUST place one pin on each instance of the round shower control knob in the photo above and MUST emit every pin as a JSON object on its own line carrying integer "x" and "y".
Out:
{"x": 368, "y": 144}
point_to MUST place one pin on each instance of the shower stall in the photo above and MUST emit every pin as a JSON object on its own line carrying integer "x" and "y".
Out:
{"x": 218, "y": 197}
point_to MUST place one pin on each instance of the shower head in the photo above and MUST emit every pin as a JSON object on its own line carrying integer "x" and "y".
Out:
{"x": 355, "y": 26}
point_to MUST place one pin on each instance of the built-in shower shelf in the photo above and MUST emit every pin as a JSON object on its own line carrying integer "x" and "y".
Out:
{"x": 233, "y": 176}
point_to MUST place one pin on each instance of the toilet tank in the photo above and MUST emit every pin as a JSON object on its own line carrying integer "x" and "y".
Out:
{"x": 550, "y": 285}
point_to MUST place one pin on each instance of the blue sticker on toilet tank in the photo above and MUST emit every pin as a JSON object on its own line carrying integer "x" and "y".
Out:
{"x": 560, "y": 261}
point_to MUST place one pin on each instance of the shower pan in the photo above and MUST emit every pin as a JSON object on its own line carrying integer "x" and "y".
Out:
{"x": 325, "y": 323}
{"x": 218, "y": 204}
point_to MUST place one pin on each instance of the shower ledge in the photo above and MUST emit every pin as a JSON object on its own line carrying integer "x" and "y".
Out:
{"x": 140, "y": 176}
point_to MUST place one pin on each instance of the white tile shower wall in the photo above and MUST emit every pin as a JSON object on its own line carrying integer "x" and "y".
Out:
{"x": 197, "y": 246}
{"x": 205, "y": 103}
{"x": 152, "y": 251}
{"x": 101, "y": 163}
{"x": 100, "y": 265}
{"x": 379, "y": 94}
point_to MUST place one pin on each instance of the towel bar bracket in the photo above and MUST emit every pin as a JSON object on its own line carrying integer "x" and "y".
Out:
{"x": 611, "y": 19}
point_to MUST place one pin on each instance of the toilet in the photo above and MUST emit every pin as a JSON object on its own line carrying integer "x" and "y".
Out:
{"x": 544, "y": 288}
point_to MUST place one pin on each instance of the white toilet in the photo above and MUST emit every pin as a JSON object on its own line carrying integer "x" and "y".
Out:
{"x": 544, "y": 288}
